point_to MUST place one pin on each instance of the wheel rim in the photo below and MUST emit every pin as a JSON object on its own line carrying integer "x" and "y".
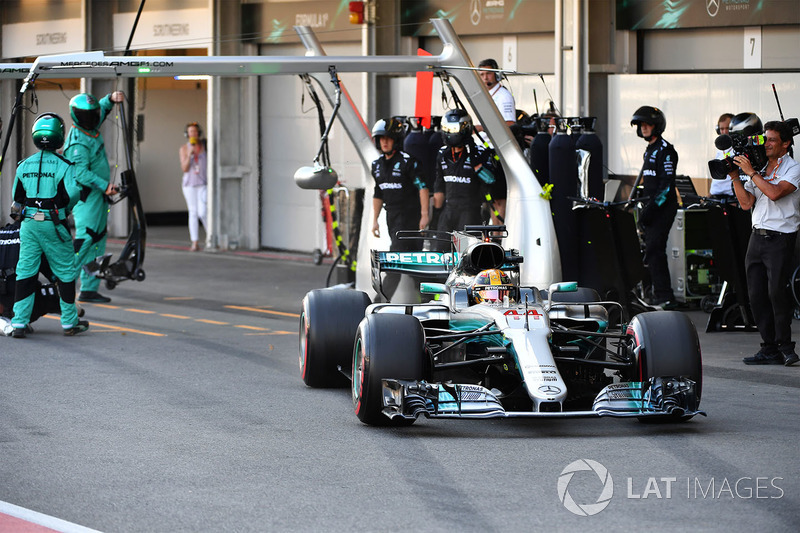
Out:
{"x": 303, "y": 344}
{"x": 358, "y": 374}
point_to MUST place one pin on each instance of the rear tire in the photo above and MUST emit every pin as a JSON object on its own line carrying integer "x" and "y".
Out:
{"x": 387, "y": 346}
{"x": 328, "y": 324}
{"x": 669, "y": 346}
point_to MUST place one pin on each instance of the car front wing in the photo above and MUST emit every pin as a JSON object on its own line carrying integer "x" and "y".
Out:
{"x": 659, "y": 397}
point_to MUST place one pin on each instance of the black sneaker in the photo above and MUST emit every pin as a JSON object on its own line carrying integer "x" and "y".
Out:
{"x": 18, "y": 333}
{"x": 790, "y": 358}
{"x": 93, "y": 297}
{"x": 80, "y": 327}
{"x": 762, "y": 358}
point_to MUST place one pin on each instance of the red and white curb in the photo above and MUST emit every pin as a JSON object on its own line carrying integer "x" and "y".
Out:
{"x": 16, "y": 519}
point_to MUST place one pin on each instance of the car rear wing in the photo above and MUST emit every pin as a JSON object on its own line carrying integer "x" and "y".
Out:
{"x": 433, "y": 265}
{"x": 422, "y": 265}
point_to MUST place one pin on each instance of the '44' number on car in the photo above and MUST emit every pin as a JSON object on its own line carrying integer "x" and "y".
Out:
{"x": 516, "y": 314}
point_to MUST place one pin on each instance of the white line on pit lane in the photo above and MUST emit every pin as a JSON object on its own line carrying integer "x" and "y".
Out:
{"x": 42, "y": 519}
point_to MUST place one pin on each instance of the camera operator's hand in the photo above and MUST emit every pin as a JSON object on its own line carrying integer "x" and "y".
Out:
{"x": 744, "y": 164}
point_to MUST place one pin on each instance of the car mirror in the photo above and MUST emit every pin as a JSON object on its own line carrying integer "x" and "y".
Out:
{"x": 317, "y": 177}
{"x": 432, "y": 288}
{"x": 562, "y": 286}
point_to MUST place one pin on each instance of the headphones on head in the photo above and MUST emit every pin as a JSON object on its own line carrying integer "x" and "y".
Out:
{"x": 491, "y": 63}
{"x": 196, "y": 125}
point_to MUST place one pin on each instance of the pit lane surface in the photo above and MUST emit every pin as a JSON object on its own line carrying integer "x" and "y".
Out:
{"x": 182, "y": 410}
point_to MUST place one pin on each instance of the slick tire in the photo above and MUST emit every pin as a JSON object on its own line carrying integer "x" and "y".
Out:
{"x": 387, "y": 346}
{"x": 328, "y": 323}
{"x": 669, "y": 346}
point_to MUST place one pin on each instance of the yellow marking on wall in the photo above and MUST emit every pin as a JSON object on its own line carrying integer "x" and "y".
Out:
{"x": 251, "y": 327}
{"x": 106, "y": 306}
{"x": 182, "y": 317}
{"x": 206, "y": 321}
{"x": 142, "y": 311}
{"x": 257, "y": 310}
{"x": 179, "y": 298}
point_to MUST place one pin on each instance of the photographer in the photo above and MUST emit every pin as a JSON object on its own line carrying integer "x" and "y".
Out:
{"x": 771, "y": 193}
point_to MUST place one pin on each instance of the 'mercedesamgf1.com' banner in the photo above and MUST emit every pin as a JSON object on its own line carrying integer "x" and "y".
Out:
{"x": 672, "y": 14}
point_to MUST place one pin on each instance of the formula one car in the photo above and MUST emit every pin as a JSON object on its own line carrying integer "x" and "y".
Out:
{"x": 485, "y": 347}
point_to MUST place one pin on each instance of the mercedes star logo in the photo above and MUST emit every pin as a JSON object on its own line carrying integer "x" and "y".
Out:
{"x": 475, "y": 12}
{"x": 549, "y": 389}
{"x": 712, "y": 7}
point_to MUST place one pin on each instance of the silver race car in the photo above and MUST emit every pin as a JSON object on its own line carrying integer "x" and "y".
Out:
{"x": 482, "y": 346}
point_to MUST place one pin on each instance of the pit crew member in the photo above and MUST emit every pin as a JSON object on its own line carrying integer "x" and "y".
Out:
{"x": 42, "y": 198}
{"x": 86, "y": 149}
{"x": 463, "y": 171}
{"x": 399, "y": 185}
{"x": 661, "y": 204}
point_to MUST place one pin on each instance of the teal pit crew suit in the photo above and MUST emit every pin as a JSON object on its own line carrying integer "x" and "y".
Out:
{"x": 43, "y": 195}
{"x": 86, "y": 150}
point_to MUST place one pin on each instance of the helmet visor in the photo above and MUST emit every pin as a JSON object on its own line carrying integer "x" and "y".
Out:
{"x": 452, "y": 127}
{"x": 88, "y": 119}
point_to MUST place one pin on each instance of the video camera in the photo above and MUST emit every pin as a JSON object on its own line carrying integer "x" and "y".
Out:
{"x": 751, "y": 146}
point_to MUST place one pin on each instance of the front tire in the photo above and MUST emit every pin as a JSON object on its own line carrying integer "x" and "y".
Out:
{"x": 388, "y": 346}
{"x": 328, "y": 324}
{"x": 667, "y": 345}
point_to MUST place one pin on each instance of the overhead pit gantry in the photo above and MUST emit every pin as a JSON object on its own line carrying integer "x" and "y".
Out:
{"x": 528, "y": 214}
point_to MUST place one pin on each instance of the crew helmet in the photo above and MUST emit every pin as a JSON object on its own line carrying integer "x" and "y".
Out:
{"x": 649, "y": 115}
{"x": 388, "y": 127}
{"x": 456, "y": 127}
{"x": 746, "y": 124}
{"x": 48, "y": 132}
{"x": 492, "y": 286}
{"x": 85, "y": 111}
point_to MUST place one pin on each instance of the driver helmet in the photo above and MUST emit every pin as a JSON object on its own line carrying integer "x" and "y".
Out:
{"x": 388, "y": 127}
{"x": 456, "y": 127}
{"x": 48, "y": 132}
{"x": 746, "y": 124}
{"x": 649, "y": 115}
{"x": 492, "y": 286}
{"x": 85, "y": 111}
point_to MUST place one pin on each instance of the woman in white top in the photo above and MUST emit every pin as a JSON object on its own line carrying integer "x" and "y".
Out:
{"x": 194, "y": 166}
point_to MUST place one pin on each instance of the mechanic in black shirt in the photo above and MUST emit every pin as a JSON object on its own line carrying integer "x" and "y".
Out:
{"x": 463, "y": 172}
{"x": 399, "y": 185}
{"x": 660, "y": 199}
